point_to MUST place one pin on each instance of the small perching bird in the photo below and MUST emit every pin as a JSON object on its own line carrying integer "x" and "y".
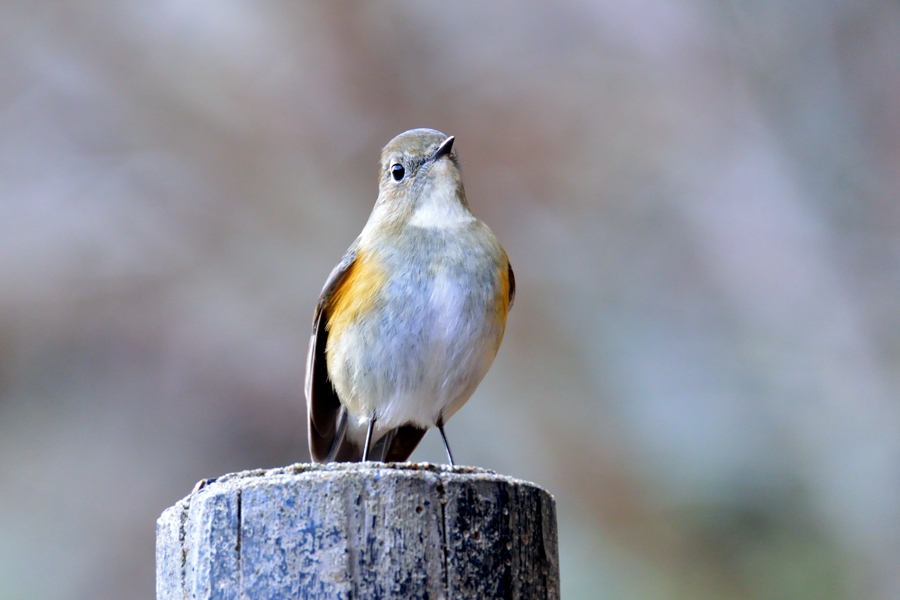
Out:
{"x": 411, "y": 318}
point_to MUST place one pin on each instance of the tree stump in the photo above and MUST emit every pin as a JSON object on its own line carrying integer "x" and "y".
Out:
{"x": 359, "y": 530}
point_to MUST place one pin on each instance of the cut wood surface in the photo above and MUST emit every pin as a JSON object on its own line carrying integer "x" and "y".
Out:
{"x": 360, "y": 530}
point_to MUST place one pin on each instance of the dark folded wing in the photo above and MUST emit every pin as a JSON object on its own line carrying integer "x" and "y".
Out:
{"x": 322, "y": 402}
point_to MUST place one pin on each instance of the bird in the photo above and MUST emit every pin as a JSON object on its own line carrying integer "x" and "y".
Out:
{"x": 410, "y": 320}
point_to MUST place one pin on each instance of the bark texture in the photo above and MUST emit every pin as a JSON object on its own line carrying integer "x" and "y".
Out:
{"x": 353, "y": 530}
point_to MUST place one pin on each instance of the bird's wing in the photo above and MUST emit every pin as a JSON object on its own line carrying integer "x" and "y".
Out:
{"x": 322, "y": 403}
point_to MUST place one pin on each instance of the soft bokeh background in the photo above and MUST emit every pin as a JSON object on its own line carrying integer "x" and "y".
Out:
{"x": 700, "y": 199}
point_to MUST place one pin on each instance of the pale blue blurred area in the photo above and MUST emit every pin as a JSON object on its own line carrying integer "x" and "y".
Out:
{"x": 701, "y": 200}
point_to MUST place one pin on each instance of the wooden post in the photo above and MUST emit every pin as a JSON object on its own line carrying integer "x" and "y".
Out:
{"x": 359, "y": 530}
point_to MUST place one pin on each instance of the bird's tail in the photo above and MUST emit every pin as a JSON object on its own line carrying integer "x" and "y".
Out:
{"x": 395, "y": 445}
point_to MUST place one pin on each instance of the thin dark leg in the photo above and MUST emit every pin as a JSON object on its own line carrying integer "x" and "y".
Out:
{"x": 365, "y": 456}
{"x": 339, "y": 435}
{"x": 440, "y": 426}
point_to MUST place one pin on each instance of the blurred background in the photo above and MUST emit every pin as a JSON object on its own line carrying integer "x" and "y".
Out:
{"x": 699, "y": 197}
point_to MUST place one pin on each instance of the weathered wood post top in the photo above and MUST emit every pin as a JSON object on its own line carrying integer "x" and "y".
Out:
{"x": 360, "y": 530}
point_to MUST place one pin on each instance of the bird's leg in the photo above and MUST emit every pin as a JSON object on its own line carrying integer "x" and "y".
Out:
{"x": 440, "y": 426}
{"x": 338, "y": 435}
{"x": 365, "y": 455}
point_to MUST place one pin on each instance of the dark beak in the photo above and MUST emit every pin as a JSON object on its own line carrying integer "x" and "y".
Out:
{"x": 444, "y": 149}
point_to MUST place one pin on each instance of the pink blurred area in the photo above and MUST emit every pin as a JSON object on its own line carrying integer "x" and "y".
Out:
{"x": 700, "y": 200}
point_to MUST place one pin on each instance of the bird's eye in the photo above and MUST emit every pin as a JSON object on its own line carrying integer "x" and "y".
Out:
{"x": 397, "y": 172}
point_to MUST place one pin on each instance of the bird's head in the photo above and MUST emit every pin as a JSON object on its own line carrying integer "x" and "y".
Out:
{"x": 420, "y": 180}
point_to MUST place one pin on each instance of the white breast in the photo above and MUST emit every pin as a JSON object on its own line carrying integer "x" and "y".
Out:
{"x": 439, "y": 206}
{"x": 452, "y": 360}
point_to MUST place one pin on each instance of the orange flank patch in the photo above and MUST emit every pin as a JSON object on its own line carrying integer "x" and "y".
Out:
{"x": 502, "y": 306}
{"x": 503, "y": 295}
{"x": 355, "y": 295}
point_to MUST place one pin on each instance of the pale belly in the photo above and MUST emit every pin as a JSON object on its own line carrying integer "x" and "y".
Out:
{"x": 421, "y": 351}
